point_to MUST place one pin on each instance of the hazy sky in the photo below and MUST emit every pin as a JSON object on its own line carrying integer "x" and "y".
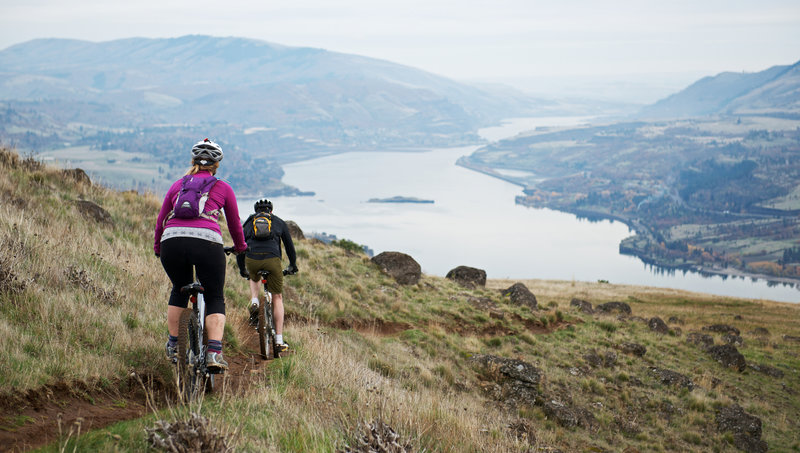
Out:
{"x": 462, "y": 39}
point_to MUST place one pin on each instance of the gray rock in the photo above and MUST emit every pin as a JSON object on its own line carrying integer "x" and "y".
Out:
{"x": 614, "y": 307}
{"x": 93, "y": 211}
{"x": 567, "y": 416}
{"x": 582, "y": 305}
{"x": 675, "y": 320}
{"x": 399, "y": 266}
{"x": 609, "y": 359}
{"x": 728, "y": 356}
{"x": 766, "y": 369}
{"x": 722, "y": 328}
{"x": 514, "y": 381}
{"x": 669, "y": 377}
{"x": 760, "y": 332}
{"x": 633, "y": 349}
{"x": 294, "y": 230}
{"x": 746, "y": 428}
{"x": 593, "y": 359}
{"x": 468, "y": 277}
{"x": 520, "y": 295}
{"x": 658, "y": 325}
{"x": 735, "y": 340}
{"x": 78, "y": 175}
{"x": 702, "y": 340}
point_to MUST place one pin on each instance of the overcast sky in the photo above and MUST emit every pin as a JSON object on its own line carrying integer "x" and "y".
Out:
{"x": 461, "y": 39}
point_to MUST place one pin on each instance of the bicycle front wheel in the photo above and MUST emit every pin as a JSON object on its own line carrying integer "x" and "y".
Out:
{"x": 188, "y": 355}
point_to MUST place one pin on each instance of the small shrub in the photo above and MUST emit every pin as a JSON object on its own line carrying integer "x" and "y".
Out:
{"x": 494, "y": 342}
{"x": 379, "y": 366}
{"x": 609, "y": 327}
{"x": 348, "y": 245}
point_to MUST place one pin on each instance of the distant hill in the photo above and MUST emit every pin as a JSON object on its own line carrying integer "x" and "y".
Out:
{"x": 774, "y": 91}
{"x": 269, "y": 103}
{"x": 258, "y": 84}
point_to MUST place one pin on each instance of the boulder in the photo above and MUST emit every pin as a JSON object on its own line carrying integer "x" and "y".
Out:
{"x": 728, "y": 356}
{"x": 760, "y": 332}
{"x": 568, "y": 417}
{"x": 702, "y": 340}
{"x": 294, "y": 230}
{"x": 735, "y": 340}
{"x": 669, "y": 377}
{"x": 633, "y": 349}
{"x": 510, "y": 380}
{"x": 520, "y": 295}
{"x": 746, "y": 428}
{"x": 468, "y": 277}
{"x": 675, "y": 320}
{"x": 610, "y": 359}
{"x": 766, "y": 369}
{"x": 593, "y": 359}
{"x": 399, "y": 266}
{"x": 582, "y": 305}
{"x": 722, "y": 328}
{"x": 93, "y": 211}
{"x": 658, "y": 325}
{"x": 614, "y": 307}
{"x": 78, "y": 175}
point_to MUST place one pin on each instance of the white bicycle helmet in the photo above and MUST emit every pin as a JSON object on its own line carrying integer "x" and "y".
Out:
{"x": 206, "y": 150}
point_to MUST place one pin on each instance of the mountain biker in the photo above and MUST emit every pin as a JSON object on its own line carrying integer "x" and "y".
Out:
{"x": 266, "y": 255}
{"x": 182, "y": 243}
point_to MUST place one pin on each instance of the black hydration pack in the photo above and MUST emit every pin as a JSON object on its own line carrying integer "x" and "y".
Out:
{"x": 262, "y": 226}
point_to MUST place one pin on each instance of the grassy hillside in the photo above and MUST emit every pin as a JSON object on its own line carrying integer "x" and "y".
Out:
{"x": 82, "y": 303}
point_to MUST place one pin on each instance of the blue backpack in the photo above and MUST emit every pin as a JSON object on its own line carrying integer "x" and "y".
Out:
{"x": 192, "y": 197}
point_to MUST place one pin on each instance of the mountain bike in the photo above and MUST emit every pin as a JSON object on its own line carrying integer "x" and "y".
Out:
{"x": 266, "y": 321}
{"x": 193, "y": 374}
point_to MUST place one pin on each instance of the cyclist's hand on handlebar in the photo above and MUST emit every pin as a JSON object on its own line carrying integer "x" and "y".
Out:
{"x": 291, "y": 270}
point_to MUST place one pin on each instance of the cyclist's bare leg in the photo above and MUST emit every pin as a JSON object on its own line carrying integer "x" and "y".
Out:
{"x": 254, "y": 288}
{"x": 173, "y": 318}
{"x": 215, "y": 325}
{"x": 277, "y": 312}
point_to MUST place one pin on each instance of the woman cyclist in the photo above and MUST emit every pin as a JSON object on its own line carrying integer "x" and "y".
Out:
{"x": 182, "y": 243}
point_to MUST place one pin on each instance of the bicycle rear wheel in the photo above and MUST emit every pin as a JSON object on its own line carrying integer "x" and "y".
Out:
{"x": 266, "y": 341}
{"x": 188, "y": 356}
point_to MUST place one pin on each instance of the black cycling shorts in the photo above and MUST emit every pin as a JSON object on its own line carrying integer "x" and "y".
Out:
{"x": 179, "y": 254}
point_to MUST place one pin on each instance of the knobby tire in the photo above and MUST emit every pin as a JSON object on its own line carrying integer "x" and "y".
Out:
{"x": 266, "y": 340}
{"x": 188, "y": 346}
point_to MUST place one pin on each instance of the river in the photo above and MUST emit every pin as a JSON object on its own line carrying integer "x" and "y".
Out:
{"x": 474, "y": 221}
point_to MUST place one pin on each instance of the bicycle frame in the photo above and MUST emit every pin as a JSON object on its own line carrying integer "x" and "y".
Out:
{"x": 193, "y": 373}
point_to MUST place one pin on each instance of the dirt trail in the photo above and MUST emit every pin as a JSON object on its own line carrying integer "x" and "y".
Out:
{"x": 42, "y": 416}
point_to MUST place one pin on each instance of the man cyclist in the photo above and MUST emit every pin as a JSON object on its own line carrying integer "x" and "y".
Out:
{"x": 265, "y": 254}
{"x": 183, "y": 243}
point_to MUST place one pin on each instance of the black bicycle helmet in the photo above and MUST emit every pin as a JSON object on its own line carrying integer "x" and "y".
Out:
{"x": 207, "y": 151}
{"x": 263, "y": 206}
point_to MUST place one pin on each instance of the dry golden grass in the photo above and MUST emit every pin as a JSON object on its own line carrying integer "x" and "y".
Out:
{"x": 87, "y": 303}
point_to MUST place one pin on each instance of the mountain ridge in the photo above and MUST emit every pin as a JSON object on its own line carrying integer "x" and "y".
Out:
{"x": 728, "y": 93}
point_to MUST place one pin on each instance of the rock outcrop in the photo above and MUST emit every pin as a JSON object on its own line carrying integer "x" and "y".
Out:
{"x": 294, "y": 230}
{"x": 509, "y": 380}
{"x": 93, "y": 211}
{"x": 399, "y": 266}
{"x": 746, "y": 428}
{"x": 468, "y": 277}
{"x": 521, "y": 295}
